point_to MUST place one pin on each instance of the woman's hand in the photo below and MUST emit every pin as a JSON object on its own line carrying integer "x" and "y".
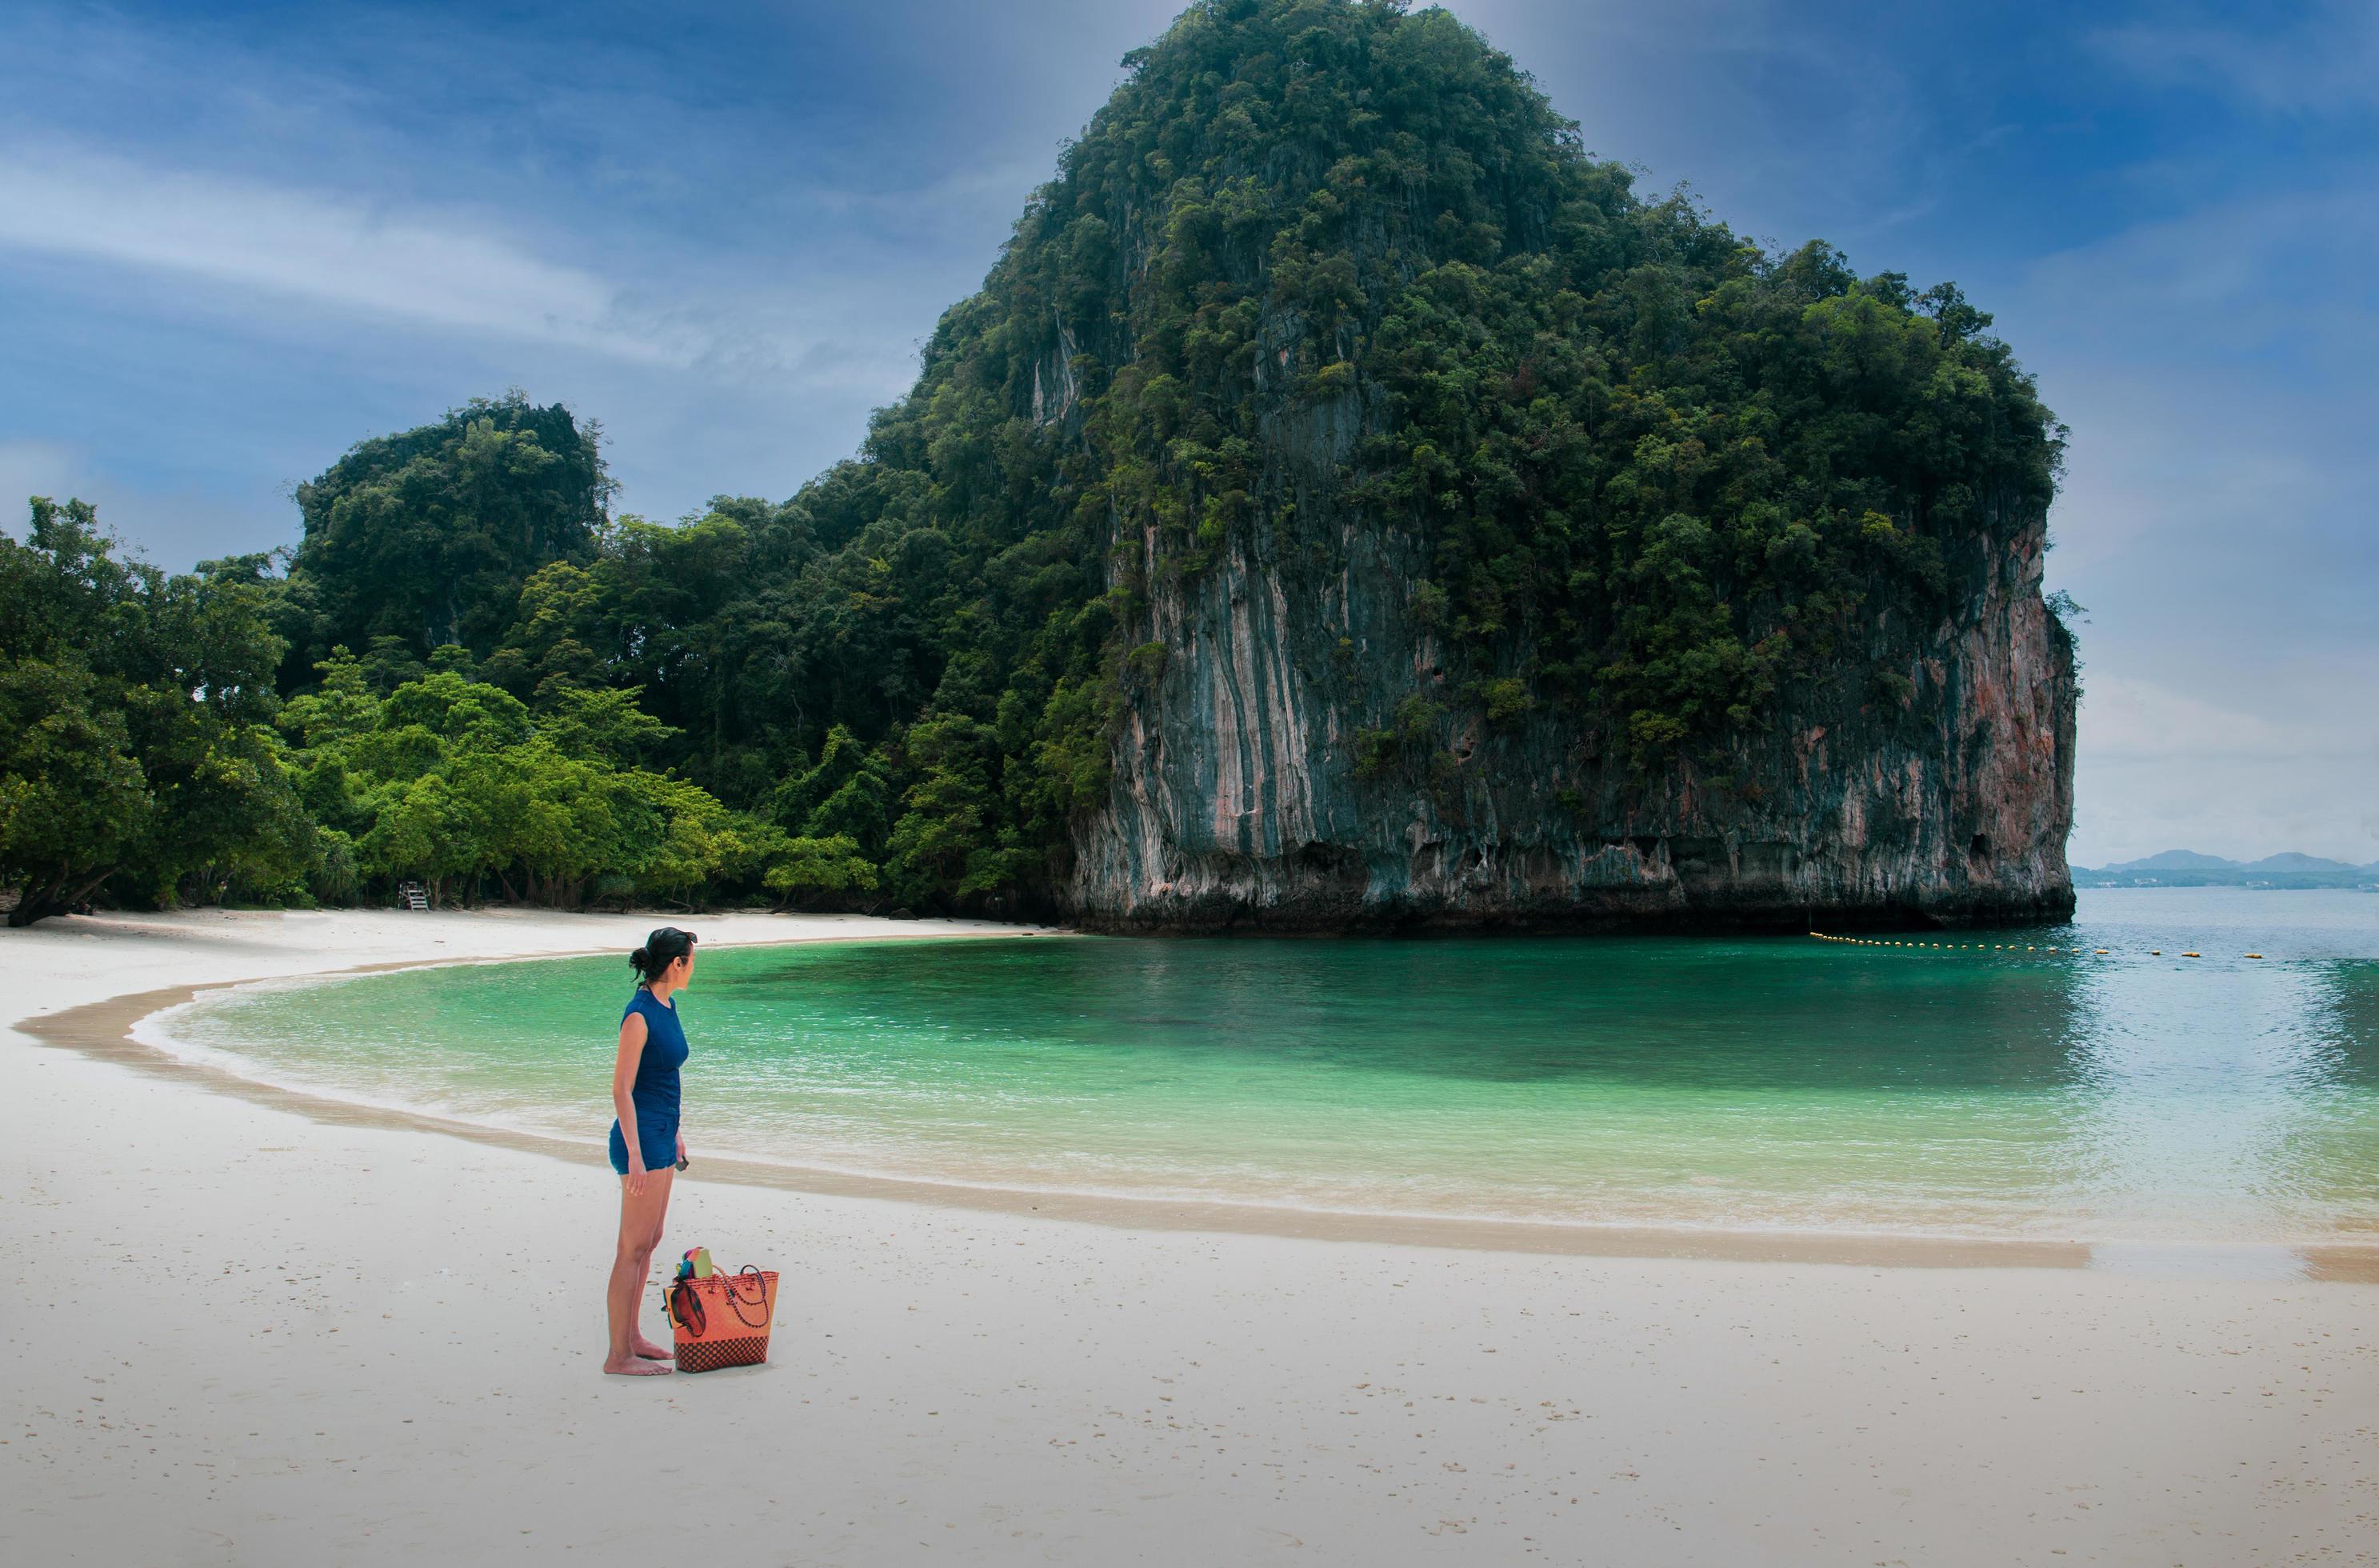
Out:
{"x": 681, "y": 1149}
{"x": 636, "y": 1173}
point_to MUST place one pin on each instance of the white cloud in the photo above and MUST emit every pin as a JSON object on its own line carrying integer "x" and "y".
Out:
{"x": 328, "y": 250}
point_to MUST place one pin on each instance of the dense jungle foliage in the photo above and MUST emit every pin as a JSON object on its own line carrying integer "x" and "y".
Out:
{"x": 1314, "y": 260}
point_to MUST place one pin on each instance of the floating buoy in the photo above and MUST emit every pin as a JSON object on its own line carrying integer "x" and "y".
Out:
{"x": 2155, "y": 952}
{"x": 2192, "y": 955}
{"x": 2254, "y": 955}
{"x": 2102, "y": 952}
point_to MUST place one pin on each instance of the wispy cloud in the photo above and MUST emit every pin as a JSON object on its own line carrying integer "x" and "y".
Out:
{"x": 2325, "y": 63}
{"x": 413, "y": 266}
{"x": 2215, "y": 266}
{"x": 2136, "y": 720}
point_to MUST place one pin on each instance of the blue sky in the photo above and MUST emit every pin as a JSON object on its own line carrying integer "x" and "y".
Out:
{"x": 236, "y": 239}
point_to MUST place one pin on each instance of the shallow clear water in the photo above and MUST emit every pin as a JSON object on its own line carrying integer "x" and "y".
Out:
{"x": 1755, "y": 1083}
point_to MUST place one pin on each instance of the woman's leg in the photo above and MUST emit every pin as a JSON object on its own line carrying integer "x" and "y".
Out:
{"x": 636, "y": 1341}
{"x": 640, "y": 1233}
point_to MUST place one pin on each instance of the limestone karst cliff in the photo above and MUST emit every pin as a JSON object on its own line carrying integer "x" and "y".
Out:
{"x": 1494, "y": 547}
{"x": 1235, "y": 801}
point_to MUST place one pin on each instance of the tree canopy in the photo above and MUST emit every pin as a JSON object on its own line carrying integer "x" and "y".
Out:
{"x": 424, "y": 537}
{"x": 136, "y": 738}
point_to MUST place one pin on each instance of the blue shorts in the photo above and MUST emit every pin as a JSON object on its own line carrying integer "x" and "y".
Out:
{"x": 659, "y": 1144}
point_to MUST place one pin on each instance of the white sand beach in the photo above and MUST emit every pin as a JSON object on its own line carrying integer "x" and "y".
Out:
{"x": 242, "y": 1329}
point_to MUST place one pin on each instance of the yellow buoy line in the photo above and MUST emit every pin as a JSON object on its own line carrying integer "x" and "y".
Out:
{"x": 1988, "y": 947}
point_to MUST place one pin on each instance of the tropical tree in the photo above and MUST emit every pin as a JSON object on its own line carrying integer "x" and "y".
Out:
{"x": 138, "y": 751}
{"x": 426, "y": 536}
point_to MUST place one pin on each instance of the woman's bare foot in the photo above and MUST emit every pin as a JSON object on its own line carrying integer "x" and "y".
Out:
{"x": 649, "y": 1351}
{"x": 635, "y": 1367}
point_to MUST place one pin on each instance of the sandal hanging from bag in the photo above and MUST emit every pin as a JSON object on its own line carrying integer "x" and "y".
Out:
{"x": 723, "y": 1319}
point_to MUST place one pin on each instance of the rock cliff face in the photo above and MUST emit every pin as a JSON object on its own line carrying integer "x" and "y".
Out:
{"x": 1350, "y": 504}
{"x": 1496, "y": 549}
{"x": 1235, "y": 801}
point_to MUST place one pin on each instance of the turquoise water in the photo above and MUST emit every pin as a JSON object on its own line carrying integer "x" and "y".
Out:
{"x": 1752, "y": 1082}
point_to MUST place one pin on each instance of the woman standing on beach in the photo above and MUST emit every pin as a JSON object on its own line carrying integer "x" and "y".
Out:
{"x": 644, "y": 1095}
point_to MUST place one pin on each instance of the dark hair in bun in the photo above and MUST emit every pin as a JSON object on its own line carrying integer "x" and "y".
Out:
{"x": 662, "y": 949}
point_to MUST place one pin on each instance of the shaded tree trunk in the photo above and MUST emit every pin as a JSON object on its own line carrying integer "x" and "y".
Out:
{"x": 39, "y": 901}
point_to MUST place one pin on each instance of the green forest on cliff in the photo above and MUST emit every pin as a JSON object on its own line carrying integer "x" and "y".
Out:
{"x": 1663, "y": 475}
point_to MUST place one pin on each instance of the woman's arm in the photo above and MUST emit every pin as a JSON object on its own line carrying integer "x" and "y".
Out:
{"x": 623, "y": 1102}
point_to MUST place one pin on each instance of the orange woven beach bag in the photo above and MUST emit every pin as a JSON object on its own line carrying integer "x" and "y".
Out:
{"x": 723, "y": 1320}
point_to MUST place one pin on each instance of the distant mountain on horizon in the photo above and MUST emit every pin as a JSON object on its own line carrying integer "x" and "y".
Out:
{"x": 2188, "y": 868}
{"x": 2176, "y": 860}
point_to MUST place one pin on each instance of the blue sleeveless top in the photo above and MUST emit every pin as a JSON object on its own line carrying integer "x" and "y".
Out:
{"x": 655, "y": 1091}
